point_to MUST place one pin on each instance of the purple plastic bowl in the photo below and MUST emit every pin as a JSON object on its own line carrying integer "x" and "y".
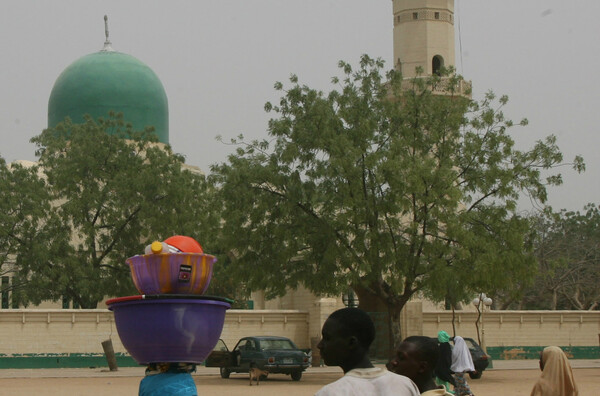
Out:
{"x": 169, "y": 329}
{"x": 173, "y": 273}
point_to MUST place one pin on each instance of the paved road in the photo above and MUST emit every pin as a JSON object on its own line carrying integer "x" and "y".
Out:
{"x": 202, "y": 371}
{"x": 125, "y": 382}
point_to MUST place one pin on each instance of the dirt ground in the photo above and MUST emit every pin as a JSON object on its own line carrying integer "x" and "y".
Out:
{"x": 493, "y": 383}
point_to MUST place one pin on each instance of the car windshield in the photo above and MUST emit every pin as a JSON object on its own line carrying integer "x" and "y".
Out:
{"x": 276, "y": 344}
{"x": 470, "y": 345}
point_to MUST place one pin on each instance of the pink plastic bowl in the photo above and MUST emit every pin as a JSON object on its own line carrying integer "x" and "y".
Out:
{"x": 174, "y": 273}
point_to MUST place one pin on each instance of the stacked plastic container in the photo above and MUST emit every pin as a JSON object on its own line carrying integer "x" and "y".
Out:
{"x": 171, "y": 321}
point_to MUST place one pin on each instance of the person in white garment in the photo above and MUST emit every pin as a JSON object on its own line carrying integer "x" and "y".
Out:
{"x": 462, "y": 363}
{"x": 347, "y": 335}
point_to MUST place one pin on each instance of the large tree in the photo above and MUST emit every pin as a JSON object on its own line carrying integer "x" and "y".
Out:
{"x": 24, "y": 207}
{"x": 111, "y": 191}
{"x": 567, "y": 248}
{"x": 391, "y": 187}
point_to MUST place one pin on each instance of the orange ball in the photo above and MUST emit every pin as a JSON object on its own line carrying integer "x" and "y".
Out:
{"x": 184, "y": 243}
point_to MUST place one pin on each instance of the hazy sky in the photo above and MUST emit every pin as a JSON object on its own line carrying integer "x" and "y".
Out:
{"x": 218, "y": 61}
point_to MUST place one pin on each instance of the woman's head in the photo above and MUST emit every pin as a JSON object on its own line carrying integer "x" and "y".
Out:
{"x": 553, "y": 355}
{"x": 443, "y": 336}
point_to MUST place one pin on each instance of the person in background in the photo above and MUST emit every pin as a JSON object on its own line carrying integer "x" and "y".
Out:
{"x": 442, "y": 370}
{"x": 416, "y": 357}
{"x": 347, "y": 335}
{"x": 168, "y": 379}
{"x": 557, "y": 375}
{"x": 462, "y": 363}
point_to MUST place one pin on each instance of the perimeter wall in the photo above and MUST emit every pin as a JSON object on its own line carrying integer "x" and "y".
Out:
{"x": 523, "y": 334}
{"x": 34, "y": 338}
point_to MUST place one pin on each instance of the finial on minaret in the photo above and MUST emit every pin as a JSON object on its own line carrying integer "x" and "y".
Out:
{"x": 107, "y": 46}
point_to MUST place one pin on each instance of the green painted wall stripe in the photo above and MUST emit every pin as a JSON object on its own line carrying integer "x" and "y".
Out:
{"x": 83, "y": 360}
{"x": 68, "y": 360}
{"x": 533, "y": 352}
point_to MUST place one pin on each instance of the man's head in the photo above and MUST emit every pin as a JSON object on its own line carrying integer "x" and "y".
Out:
{"x": 416, "y": 358}
{"x": 346, "y": 337}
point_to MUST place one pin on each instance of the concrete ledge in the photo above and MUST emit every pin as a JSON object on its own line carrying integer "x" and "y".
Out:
{"x": 499, "y": 353}
{"x": 534, "y": 364}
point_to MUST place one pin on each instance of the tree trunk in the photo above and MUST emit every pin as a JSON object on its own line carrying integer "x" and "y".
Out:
{"x": 395, "y": 325}
{"x": 386, "y": 317}
{"x": 453, "y": 322}
{"x": 477, "y": 324}
{"x": 86, "y": 303}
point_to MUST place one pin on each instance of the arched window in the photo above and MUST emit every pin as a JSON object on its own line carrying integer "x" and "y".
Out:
{"x": 436, "y": 64}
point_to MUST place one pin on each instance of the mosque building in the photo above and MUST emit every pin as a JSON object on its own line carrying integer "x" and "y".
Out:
{"x": 108, "y": 80}
{"x": 95, "y": 84}
{"x": 423, "y": 35}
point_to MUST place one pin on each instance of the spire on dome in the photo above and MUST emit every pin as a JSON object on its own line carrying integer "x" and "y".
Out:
{"x": 107, "y": 44}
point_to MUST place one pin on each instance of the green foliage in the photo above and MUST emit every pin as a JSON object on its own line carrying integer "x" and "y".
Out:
{"x": 394, "y": 187}
{"x": 24, "y": 202}
{"x": 567, "y": 248}
{"x": 102, "y": 198}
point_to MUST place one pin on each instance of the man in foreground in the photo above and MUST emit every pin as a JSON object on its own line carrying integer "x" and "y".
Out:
{"x": 416, "y": 358}
{"x": 347, "y": 336}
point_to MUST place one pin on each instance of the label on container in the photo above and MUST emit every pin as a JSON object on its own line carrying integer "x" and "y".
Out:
{"x": 185, "y": 273}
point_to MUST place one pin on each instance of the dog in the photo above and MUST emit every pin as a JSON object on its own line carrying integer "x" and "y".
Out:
{"x": 255, "y": 373}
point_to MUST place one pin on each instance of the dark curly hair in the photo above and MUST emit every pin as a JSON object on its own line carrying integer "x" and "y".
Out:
{"x": 428, "y": 348}
{"x": 355, "y": 322}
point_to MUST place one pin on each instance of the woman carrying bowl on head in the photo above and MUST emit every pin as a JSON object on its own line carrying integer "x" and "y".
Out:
{"x": 168, "y": 379}
{"x": 171, "y": 277}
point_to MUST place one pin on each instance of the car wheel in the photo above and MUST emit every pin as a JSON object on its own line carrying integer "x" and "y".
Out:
{"x": 296, "y": 375}
{"x": 475, "y": 374}
{"x": 224, "y": 372}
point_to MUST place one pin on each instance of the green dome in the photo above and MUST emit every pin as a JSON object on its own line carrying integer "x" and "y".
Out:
{"x": 107, "y": 80}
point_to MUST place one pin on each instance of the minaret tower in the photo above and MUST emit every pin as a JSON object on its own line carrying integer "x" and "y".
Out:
{"x": 423, "y": 35}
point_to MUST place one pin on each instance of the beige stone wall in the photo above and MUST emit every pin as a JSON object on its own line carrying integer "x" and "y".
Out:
{"x": 38, "y": 331}
{"x": 411, "y": 319}
{"x": 318, "y": 308}
{"x": 287, "y": 323}
{"x": 520, "y": 328}
{"x": 41, "y": 331}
